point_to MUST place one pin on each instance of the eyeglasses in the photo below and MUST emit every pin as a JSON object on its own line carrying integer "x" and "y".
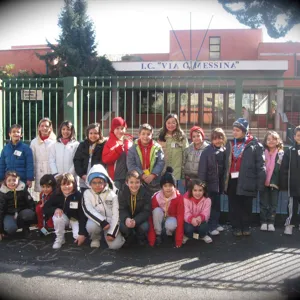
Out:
{"x": 98, "y": 183}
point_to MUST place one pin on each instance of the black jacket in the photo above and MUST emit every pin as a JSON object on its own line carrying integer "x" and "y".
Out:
{"x": 290, "y": 171}
{"x": 252, "y": 175}
{"x": 7, "y": 203}
{"x": 81, "y": 157}
{"x": 212, "y": 168}
{"x": 143, "y": 205}
{"x": 58, "y": 200}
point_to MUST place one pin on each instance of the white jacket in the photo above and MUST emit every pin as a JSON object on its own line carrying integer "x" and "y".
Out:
{"x": 104, "y": 206}
{"x": 61, "y": 157}
{"x": 40, "y": 151}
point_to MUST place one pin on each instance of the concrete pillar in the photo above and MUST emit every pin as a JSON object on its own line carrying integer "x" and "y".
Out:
{"x": 280, "y": 104}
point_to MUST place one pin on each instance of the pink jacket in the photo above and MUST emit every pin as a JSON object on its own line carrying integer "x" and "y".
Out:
{"x": 194, "y": 208}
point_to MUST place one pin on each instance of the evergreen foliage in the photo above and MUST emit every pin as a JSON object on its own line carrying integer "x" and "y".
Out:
{"x": 75, "y": 52}
{"x": 279, "y": 16}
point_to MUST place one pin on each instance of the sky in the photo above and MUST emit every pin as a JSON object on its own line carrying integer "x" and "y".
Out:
{"x": 122, "y": 27}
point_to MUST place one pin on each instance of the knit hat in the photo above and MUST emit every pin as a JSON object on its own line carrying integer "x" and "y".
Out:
{"x": 97, "y": 175}
{"x": 168, "y": 177}
{"x": 198, "y": 129}
{"x": 116, "y": 122}
{"x": 242, "y": 124}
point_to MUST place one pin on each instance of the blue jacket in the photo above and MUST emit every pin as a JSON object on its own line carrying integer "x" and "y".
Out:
{"x": 17, "y": 158}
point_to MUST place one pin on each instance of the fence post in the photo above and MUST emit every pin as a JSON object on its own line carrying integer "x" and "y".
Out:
{"x": 2, "y": 133}
{"x": 70, "y": 100}
{"x": 238, "y": 97}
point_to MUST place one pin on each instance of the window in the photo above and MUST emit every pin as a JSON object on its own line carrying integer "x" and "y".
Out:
{"x": 214, "y": 47}
{"x": 298, "y": 68}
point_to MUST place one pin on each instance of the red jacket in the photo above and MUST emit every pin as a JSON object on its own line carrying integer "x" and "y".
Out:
{"x": 175, "y": 209}
{"x": 112, "y": 151}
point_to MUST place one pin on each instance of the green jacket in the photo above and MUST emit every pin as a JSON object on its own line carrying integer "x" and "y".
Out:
{"x": 173, "y": 150}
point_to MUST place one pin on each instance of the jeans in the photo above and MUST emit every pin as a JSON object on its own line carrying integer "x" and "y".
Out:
{"x": 268, "y": 205}
{"x": 189, "y": 229}
{"x": 213, "y": 221}
{"x": 141, "y": 231}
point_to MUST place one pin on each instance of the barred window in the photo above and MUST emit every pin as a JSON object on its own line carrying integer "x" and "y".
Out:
{"x": 214, "y": 47}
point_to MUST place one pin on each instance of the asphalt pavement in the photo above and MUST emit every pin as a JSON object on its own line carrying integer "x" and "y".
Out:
{"x": 265, "y": 265}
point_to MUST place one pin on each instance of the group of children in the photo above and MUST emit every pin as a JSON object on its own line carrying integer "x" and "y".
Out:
{"x": 127, "y": 189}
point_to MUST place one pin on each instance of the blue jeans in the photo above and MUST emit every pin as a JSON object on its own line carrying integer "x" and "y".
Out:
{"x": 189, "y": 229}
{"x": 141, "y": 231}
{"x": 24, "y": 219}
{"x": 268, "y": 205}
{"x": 213, "y": 221}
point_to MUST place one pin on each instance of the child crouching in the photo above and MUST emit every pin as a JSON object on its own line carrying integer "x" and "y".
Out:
{"x": 167, "y": 211}
{"x": 100, "y": 205}
{"x": 64, "y": 207}
{"x": 135, "y": 209}
{"x": 17, "y": 208}
{"x": 48, "y": 185}
{"x": 196, "y": 212}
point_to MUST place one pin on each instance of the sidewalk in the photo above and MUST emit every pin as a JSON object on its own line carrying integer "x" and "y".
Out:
{"x": 260, "y": 263}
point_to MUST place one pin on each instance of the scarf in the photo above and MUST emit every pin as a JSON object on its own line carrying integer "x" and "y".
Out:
{"x": 65, "y": 141}
{"x": 270, "y": 164}
{"x": 145, "y": 154}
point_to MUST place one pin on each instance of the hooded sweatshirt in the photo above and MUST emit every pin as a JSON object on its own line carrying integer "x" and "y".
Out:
{"x": 102, "y": 208}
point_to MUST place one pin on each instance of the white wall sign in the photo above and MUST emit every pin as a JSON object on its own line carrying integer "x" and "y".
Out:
{"x": 31, "y": 95}
{"x": 256, "y": 65}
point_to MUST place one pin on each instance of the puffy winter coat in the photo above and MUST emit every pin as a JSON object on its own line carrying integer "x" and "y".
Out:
{"x": 212, "y": 168}
{"x": 102, "y": 208}
{"x": 191, "y": 160}
{"x": 17, "y": 158}
{"x": 8, "y": 205}
{"x": 290, "y": 171}
{"x": 252, "y": 175}
{"x": 114, "y": 156}
{"x": 61, "y": 157}
{"x": 40, "y": 150}
{"x": 194, "y": 208}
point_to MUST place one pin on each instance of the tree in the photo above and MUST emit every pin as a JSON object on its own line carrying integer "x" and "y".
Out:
{"x": 279, "y": 16}
{"x": 75, "y": 52}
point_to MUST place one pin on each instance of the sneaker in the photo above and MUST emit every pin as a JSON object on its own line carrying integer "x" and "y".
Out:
{"x": 207, "y": 239}
{"x": 237, "y": 232}
{"x": 158, "y": 240}
{"x": 271, "y": 227}
{"x": 58, "y": 243}
{"x": 95, "y": 244}
{"x": 185, "y": 239}
{"x": 288, "y": 229}
{"x": 264, "y": 227}
{"x": 214, "y": 232}
{"x": 220, "y": 228}
{"x": 169, "y": 233}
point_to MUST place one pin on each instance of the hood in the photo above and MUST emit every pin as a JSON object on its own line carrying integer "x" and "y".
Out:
{"x": 4, "y": 189}
{"x": 100, "y": 169}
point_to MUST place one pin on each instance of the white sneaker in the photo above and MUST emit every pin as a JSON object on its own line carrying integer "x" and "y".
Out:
{"x": 220, "y": 228}
{"x": 264, "y": 227}
{"x": 214, "y": 232}
{"x": 288, "y": 229}
{"x": 271, "y": 227}
{"x": 207, "y": 239}
{"x": 95, "y": 244}
{"x": 185, "y": 239}
{"x": 169, "y": 233}
{"x": 58, "y": 243}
